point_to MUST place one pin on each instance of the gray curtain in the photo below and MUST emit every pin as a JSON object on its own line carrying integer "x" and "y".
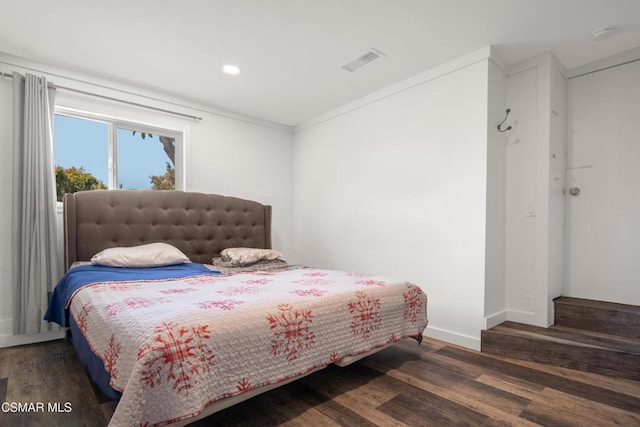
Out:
{"x": 35, "y": 258}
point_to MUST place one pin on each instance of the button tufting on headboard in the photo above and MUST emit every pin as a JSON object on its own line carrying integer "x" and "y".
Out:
{"x": 201, "y": 225}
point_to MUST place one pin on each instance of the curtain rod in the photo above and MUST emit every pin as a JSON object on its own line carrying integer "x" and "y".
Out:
{"x": 148, "y": 107}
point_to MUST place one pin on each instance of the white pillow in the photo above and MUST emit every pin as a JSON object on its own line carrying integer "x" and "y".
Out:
{"x": 150, "y": 255}
{"x": 247, "y": 256}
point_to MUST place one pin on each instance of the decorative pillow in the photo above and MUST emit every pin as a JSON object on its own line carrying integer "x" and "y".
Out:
{"x": 150, "y": 255}
{"x": 225, "y": 267}
{"x": 247, "y": 256}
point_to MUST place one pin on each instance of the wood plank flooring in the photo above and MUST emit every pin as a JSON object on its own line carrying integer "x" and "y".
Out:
{"x": 561, "y": 346}
{"x": 598, "y": 316}
{"x": 434, "y": 384}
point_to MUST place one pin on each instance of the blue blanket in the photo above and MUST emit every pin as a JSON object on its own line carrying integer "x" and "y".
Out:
{"x": 83, "y": 275}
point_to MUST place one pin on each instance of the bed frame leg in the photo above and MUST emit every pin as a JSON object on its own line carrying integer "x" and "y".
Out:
{"x": 418, "y": 338}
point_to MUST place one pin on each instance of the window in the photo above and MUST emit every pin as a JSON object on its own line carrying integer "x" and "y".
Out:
{"x": 94, "y": 153}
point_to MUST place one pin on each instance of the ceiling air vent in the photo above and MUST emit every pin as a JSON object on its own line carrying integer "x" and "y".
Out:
{"x": 363, "y": 60}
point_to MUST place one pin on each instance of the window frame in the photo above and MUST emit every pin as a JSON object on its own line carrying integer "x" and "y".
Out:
{"x": 113, "y": 124}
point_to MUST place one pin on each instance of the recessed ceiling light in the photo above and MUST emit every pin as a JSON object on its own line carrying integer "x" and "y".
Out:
{"x": 232, "y": 70}
{"x": 602, "y": 33}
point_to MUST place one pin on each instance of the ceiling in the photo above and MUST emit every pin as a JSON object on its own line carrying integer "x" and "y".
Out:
{"x": 291, "y": 52}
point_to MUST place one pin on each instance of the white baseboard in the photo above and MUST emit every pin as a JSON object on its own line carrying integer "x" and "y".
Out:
{"x": 14, "y": 340}
{"x": 453, "y": 338}
{"x": 494, "y": 319}
{"x": 526, "y": 317}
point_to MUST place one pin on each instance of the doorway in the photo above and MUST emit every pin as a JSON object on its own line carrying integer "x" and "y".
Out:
{"x": 603, "y": 184}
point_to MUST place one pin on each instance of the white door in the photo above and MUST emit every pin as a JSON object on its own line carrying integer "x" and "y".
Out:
{"x": 603, "y": 171}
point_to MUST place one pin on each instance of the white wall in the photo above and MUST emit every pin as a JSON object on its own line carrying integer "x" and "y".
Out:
{"x": 395, "y": 184}
{"x": 536, "y": 94}
{"x": 604, "y": 162}
{"x": 225, "y": 153}
{"x": 557, "y": 173}
{"x": 521, "y": 192}
{"x": 495, "y": 292}
{"x": 246, "y": 160}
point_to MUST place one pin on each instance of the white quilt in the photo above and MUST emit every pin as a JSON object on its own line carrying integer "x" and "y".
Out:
{"x": 174, "y": 346}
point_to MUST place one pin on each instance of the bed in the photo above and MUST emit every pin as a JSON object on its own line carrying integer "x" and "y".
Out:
{"x": 178, "y": 342}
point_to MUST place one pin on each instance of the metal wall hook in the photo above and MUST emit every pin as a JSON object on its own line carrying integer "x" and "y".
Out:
{"x": 505, "y": 119}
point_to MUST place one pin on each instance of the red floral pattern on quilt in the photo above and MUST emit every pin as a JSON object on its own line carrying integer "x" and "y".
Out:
{"x": 261, "y": 281}
{"x": 414, "y": 303}
{"x": 179, "y": 354}
{"x": 172, "y": 347}
{"x": 314, "y": 281}
{"x": 111, "y": 357}
{"x": 116, "y": 286}
{"x": 198, "y": 280}
{"x": 82, "y": 316}
{"x": 134, "y": 303}
{"x": 177, "y": 291}
{"x": 244, "y": 385}
{"x": 371, "y": 282}
{"x": 366, "y": 318}
{"x": 292, "y": 330}
{"x": 315, "y": 274}
{"x": 309, "y": 292}
{"x": 227, "y": 304}
{"x": 239, "y": 290}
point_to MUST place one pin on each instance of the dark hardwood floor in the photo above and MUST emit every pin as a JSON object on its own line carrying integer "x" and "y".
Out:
{"x": 598, "y": 316}
{"x": 570, "y": 348}
{"x": 432, "y": 384}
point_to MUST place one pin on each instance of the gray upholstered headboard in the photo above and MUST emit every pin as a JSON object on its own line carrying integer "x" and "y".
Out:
{"x": 200, "y": 225}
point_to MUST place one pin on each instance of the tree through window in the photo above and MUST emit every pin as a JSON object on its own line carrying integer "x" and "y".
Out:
{"x": 95, "y": 154}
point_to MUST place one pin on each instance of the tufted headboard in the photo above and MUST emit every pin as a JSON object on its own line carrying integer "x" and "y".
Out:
{"x": 200, "y": 225}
